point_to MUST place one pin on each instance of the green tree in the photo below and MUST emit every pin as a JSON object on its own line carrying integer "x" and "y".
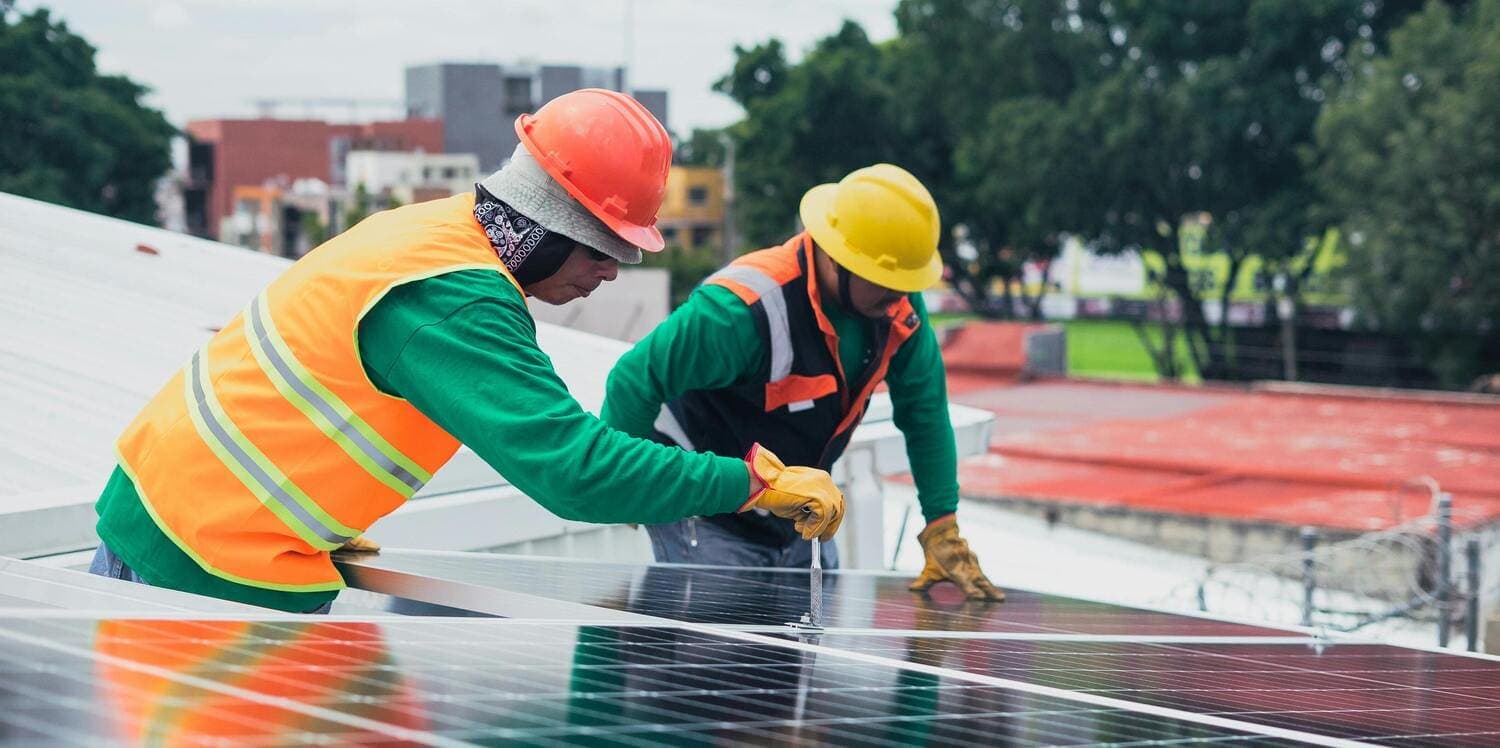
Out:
{"x": 806, "y": 124}
{"x": 359, "y": 207}
{"x": 1409, "y": 159}
{"x": 981, "y": 84}
{"x": 70, "y": 135}
{"x": 705, "y": 147}
{"x": 1202, "y": 118}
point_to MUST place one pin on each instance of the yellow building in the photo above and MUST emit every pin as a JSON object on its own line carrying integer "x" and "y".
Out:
{"x": 692, "y": 211}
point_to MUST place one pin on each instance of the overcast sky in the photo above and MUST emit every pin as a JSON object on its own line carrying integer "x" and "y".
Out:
{"x": 212, "y": 58}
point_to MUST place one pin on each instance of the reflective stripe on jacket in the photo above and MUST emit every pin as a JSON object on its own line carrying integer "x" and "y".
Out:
{"x": 271, "y": 447}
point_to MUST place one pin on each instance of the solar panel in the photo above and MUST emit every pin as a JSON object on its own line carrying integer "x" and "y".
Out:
{"x": 753, "y": 598}
{"x": 450, "y": 682}
{"x": 1277, "y": 679}
{"x": 1368, "y": 692}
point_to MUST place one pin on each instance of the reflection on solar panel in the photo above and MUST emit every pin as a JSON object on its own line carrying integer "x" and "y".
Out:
{"x": 646, "y": 655}
{"x": 1360, "y": 691}
{"x": 302, "y": 680}
{"x": 1286, "y": 682}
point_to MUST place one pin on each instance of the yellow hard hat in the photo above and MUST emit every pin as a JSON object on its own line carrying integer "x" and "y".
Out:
{"x": 881, "y": 224}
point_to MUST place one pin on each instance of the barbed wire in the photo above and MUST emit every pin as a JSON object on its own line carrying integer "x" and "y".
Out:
{"x": 1351, "y": 583}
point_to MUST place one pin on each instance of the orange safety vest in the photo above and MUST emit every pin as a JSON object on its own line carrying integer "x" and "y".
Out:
{"x": 148, "y": 672}
{"x": 806, "y": 404}
{"x": 271, "y": 447}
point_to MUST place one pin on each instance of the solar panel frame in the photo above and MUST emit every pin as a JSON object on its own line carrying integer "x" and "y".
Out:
{"x": 753, "y": 599}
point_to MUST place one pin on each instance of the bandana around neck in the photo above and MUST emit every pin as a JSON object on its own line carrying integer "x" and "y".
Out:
{"x": 529, "y": 251}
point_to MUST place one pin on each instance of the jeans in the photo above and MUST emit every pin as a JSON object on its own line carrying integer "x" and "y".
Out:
{"x": 693, "y": 541}
{"x": 107, "y": 564}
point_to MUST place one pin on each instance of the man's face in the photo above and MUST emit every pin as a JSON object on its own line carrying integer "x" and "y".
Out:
{"x": 579, "y": 275}
{"x": 868, "y": 299}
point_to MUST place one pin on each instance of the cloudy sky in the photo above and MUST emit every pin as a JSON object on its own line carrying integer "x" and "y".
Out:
{"x": 213, "y": 58}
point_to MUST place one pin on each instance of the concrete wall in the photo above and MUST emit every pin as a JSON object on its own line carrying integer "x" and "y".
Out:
{"x": 655, "y": 102}
{"x": 470, "y": 99}
{"x": 624, "y": 309}
{"x": 403, "y": 172}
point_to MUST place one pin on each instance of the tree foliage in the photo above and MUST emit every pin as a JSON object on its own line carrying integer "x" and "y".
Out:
{"x": 704, "y": 147}
{"x": 984, "y": 84}
{"x": 69, "y": 134}
{"x": 1165, "y": 127}
{"x": 1410, "y": 164}
{"x": 806, "y": 124}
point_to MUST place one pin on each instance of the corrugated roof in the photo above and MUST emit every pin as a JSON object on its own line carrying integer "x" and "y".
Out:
{"x": 92, "y": 327}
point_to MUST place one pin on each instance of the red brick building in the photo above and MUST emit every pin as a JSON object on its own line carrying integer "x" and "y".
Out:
{"x": 228, "y": 153}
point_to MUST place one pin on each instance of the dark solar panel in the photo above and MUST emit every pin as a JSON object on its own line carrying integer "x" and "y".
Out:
{"x": 759, "y": 597}
{"x": 1361, "y": 691}
{"x": 86, "y": 681}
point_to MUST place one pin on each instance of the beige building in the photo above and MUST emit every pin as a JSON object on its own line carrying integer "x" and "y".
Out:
{"x": 692, "y": 212}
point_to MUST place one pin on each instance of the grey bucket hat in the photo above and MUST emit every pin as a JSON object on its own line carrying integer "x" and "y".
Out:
{"x": 523, "y": 185}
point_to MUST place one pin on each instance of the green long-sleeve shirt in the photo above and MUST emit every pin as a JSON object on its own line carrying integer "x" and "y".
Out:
{"x": 709, "y": 343}
{"x": 462, "y": 348}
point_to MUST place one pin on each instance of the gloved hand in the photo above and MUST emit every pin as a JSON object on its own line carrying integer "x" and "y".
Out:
{"x": 806, "y": 495}
{"x": 949, "y": 559}
{"x": 361, "y": 544}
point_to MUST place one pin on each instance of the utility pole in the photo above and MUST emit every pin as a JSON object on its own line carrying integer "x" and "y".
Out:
{"x": 1286, "y": 309}
{"x": 629, "y": 51}
{"x": 729, "y": 239}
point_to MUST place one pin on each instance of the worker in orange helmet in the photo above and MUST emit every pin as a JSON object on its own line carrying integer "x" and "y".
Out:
{"x": 348, "y": 381}
{"x": 784, "y": 348}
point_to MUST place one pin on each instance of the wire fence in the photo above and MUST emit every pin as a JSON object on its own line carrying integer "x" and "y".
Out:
{"x": 1423, "y": 571}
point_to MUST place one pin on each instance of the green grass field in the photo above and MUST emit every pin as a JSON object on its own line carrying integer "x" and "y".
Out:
{"x": 1111, "y": 349}
{"x": 1107, "y": 349}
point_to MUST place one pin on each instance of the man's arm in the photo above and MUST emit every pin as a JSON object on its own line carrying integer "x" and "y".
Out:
{"x": 919, "y": 397}
{"x": 707, "y": 343}
{"x": 919, "y": 401}
{"x": 462, "y": 349}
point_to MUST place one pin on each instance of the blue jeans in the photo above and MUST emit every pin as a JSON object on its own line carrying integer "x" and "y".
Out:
{"x": 107, "y": 564}
{"x": 693, "y": 541}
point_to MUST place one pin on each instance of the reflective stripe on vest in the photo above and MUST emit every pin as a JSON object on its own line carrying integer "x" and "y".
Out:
{"x": 258, "y": 474}
{"x": 322, "y": 407}
{"x": 774, "y": 303}
{"x": 274, "y": 447}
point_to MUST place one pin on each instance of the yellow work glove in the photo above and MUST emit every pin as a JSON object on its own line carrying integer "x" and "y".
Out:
{"x": 949, "y": 559}
{"x": 361, "y": 544}
{"x": 806, "y": 495}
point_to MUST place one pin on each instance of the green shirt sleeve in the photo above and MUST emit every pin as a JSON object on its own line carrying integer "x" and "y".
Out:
{"x": 919, "y": 403}
{"x": 705, "y": 344}
{"x": 461, "y": 347}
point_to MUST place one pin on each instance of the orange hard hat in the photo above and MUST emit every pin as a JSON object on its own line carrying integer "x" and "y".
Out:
{"x": 609, "y": 153}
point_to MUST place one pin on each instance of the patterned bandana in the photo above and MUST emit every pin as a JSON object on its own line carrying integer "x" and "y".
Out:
{"x": 530, "y": 252}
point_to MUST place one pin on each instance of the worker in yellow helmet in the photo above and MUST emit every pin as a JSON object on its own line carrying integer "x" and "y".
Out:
{"x": 784, "y": 347}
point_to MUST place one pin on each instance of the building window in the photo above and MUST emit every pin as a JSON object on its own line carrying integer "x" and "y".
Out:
{"x": 698, "y": 196}
{"x": 702, "y": 235}
{"x": 518, "y": 95}
{"x": 449, "y": 172}
{"x": 669, "y": 234}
